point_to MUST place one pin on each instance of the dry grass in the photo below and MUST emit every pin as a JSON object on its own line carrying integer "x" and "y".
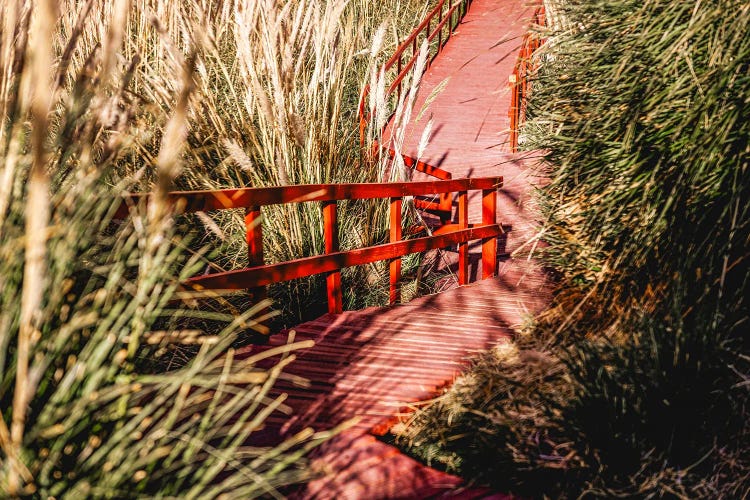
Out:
{"x": 103, "y": 97}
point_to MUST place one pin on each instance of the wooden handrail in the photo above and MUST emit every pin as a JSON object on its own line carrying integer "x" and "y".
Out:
{"x": 335, "y": 261}
{"x": 203, "y": 201}
{"x": 444, "y": 19}
{"x": 442, "y": 207}
{"x": 425, "y": 168}
{"x": 519, "y": 79}
{"x": 257, "y": 275}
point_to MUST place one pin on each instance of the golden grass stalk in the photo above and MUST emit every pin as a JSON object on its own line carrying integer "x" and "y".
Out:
{"x": 37, "y": 219}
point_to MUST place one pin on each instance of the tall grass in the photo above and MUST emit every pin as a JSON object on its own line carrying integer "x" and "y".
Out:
{"x": 274, "y": 103}
{"x": 99, "y": 98}
{"x": 643, "y": 388}
{"x": 92, "y": 93}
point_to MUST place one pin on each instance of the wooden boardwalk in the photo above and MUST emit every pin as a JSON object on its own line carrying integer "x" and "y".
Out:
{"x": 370, "y": 364}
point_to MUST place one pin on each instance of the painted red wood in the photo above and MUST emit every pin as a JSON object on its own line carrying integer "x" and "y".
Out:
{"x": 331, "y": 237}
{"x": 194, "y": 201}
{"x": 463, "y": 247}
{"x": 519, "y": 80}
{"x": 394, "y": 266}
{"x": 513, "y": 112}
{"x": 443, "y": 206}
{"x": 372, "y": 364}
{"x": 423, "y": 167}
{"x": 437, "y": 10}
{"x": 489, "y": 246}
{"x": 309, "y": 266}
{"x": 257, "y": 275}
{"x": 404, "y": 71}
{"x": 254, "y": 239}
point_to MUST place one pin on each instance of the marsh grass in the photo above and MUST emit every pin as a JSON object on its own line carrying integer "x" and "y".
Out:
{"x": 275, "y": 102}
{"x": 113, "y": 381}
{"x": 641, "y": 109}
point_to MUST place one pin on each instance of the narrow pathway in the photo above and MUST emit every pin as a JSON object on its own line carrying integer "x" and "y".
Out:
{"x": 470, "y": 115}
{"x": 370, "y": 364}
{"x": 470, "y": 123}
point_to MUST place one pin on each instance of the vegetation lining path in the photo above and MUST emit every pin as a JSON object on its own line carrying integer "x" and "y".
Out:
{"x": 369, "y": 363}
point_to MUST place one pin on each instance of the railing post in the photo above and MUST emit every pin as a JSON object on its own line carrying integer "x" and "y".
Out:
{"x": 440, "y": 31}
{"x": 254, "y": 240}
{"x": 463, "y": 248}
{"x": 394, "y": 265}
{"x": 489, "y": 245}
{"x": 526, "y": 83}
{"x": 331, "y": 236}
{"x": 398, "y": 72}
{"x": 362, "y": 118}
{"x": 513, "y": 112}
{"x": 446, "y": 207}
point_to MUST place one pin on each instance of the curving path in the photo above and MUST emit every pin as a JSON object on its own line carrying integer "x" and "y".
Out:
{"x": 369, "y": 364}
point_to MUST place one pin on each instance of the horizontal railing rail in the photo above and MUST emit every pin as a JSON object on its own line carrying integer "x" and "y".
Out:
{"x": 445, "y": 21}
{"x": 204, "y": 201}
{"x": 520, "y": 84}
{"x": 444, "y": 205}
{"x": 258, "y": 274}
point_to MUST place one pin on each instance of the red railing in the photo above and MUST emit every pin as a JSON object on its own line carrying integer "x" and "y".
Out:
{"x": 519, "y": 79}
{"x": 425, "y": 30}
{"x": 441, "y": 207}
{"x": 259, "y": 274}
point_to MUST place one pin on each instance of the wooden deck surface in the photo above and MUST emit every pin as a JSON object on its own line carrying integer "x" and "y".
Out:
{"x": 370, "y": 364}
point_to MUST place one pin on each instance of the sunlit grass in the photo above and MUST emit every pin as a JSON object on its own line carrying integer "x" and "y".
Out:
{"x": 99, "y": 98}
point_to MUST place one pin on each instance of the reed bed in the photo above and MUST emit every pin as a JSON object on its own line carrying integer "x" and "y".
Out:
{"x": 635, "y": 382}
{"x": 100, "y": 98}
{"x": 275, "y": 102}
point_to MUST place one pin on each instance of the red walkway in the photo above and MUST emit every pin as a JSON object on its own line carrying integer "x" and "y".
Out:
{"x": 368, "y": 364}
{"x": 470, "y": 116}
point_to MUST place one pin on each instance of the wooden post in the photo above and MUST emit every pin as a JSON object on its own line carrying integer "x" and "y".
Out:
{"x": 254, "y": 239}
{"x": 489, "y": 245}
{"x": 446, "y": 207}
{"x": 513, "y": 113}
{"x": 526, "y": 54}
{"x": 398, "y": 74}
{"x": 440, "y": 31}
{"x": 362, "y": 119}
{"x": 463, "y": 248}
{"x": 331, "y": 236}
{"x": 395, "y": 264}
